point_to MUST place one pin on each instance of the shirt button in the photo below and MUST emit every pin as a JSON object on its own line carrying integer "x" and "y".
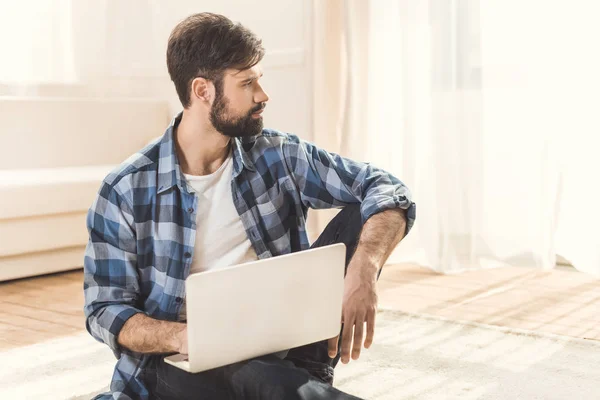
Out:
{"x": 178, "y": 300}
{"x": 187, "y": 254}
{"x": 190, "y": 210}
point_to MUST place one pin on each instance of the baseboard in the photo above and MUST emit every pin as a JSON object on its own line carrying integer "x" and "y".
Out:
{"x": 44, "y": 262}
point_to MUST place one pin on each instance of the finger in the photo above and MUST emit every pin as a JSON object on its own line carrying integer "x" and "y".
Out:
{"x": 332, "y": 346}
{"x": 347, "y": 339}
{"x": 358, "y": 337}
{"x": 371, "y": 317}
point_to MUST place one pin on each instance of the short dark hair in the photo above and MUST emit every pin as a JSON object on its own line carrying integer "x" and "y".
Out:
{"x": 206, "y": 44}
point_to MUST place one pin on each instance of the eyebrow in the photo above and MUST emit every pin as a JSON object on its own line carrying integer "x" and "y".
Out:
{"x": 252, "y": 78}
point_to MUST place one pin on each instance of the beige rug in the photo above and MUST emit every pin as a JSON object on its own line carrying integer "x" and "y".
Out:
{"x": 413, "y": 357}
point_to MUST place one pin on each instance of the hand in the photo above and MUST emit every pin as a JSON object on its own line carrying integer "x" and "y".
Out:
{"x": 180, "y": 341}
{"x": 359, "y": 306}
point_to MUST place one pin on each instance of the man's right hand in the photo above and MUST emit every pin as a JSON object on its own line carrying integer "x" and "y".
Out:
{"x": 182, "y": 340}
{"x": 145, "y": 334}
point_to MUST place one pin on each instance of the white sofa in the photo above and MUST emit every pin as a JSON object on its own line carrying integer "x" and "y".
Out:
{"x": 55, "y": 153}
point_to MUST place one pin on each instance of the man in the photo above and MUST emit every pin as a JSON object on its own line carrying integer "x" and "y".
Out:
{"x": 216, "y": 190}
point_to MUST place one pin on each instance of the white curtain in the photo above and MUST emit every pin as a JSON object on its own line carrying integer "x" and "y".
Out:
{"x": 484, "y": 109}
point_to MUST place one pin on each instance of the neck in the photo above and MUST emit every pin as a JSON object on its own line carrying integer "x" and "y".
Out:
{"x": 200, "y": 148}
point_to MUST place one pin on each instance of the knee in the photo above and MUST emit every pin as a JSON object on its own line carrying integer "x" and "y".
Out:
{"x": 351, "y": 218}
{"x": 353, "y": 210}
{"x": 351, "y": 223}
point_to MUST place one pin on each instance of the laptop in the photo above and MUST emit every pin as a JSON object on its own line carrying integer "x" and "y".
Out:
{"x": 262, "y": 307}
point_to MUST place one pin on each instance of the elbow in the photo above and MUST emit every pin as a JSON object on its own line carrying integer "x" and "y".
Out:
{"x": 105, "y": 323}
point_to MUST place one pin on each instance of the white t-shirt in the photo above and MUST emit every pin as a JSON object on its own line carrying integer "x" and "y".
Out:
{"x": 221, "y": 240}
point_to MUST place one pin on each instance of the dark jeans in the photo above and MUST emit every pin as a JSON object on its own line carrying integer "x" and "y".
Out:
{"x": 306, "y": 372}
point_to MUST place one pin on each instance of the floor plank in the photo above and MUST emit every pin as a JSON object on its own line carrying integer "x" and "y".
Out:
{"x": 561, "y": 301}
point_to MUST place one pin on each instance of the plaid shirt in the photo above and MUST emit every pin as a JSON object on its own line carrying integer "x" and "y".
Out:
{"x": 142, "y": 226}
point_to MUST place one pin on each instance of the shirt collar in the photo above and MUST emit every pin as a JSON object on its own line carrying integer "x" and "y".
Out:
{"x": 169, "y": 170}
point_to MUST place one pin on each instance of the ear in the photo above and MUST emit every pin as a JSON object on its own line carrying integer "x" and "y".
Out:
{"x": 201, "y": 90}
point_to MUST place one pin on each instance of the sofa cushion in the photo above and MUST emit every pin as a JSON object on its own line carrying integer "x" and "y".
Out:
{"x": 45, "y": 209}
{"x": 33, "y": 192}
{"x": 42, "y": 233}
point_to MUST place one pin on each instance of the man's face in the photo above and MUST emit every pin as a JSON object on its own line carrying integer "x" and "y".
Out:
{"x": 239, "y": 101}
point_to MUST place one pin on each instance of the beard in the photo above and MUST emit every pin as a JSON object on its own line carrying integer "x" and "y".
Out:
{"x": 244, "y": 126}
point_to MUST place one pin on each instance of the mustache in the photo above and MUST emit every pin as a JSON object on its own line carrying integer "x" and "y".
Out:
{"x": 258, "y": 108}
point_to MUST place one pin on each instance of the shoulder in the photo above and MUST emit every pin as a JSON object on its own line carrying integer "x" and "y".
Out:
{"x": 272, "y": 138}
{"x": 275, "y": 137}
{"x": 123, "y": 177}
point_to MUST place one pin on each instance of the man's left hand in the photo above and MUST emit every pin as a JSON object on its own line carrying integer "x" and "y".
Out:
{"x": 359, "y": 306}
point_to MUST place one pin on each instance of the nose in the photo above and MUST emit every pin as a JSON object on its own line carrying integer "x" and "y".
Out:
{"x": 261, "y": 96}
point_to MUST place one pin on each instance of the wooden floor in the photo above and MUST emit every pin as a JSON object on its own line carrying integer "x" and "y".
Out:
{"x": 561, "y": 301}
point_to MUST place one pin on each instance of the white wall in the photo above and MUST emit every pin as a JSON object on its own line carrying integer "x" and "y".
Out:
{"x": 122, "y": 49}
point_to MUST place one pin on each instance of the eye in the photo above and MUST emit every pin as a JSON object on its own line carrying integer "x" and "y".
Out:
{"x": 248, "y": 83}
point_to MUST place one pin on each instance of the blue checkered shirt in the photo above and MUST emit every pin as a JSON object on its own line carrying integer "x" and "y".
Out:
{"x": 142, "y": 226}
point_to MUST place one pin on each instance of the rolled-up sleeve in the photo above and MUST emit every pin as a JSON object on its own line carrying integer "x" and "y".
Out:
{"x": 328, "y": 180}
{"x": 111, "y": 287}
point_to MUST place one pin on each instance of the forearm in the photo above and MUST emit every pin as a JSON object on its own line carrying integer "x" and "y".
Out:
{"x": 144, "y": 334}
{"x": 380, "y": 235}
